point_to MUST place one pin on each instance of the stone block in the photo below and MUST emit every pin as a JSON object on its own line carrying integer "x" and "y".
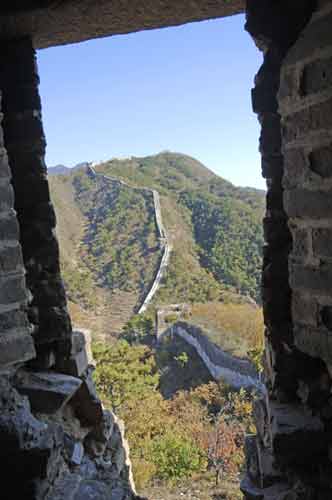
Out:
{"x": 90, "y": 490}
{"x": 47, "y": 392}
{"x": 295, "y": 165}
{"x": 12, "y": 290}
{"x": 314, "y": 279}
{"x": 76, "y": 365}
{"x": 304, "y": 309}
{"x": 322, "y": 242}
{"x": 11, "y": 259}
{"x": 305, "y": 203}
{"x": 301, "y": 243}
{"x": 320, "y": 161}
{"x": 297, "y": 435}
{"x": 289, "y": 84}
{"x": 96, "y": 441}
{"x": 316, "y": 117}
{"x": 15, "y": 319}
{"x": 316, "y": 76}
{"x": 316, "y": 36}
{"x": 4, "y": 166}
{"x": 314, "y": 342}
{"x": 87, "y": 405}
{"x": 6, "y": 197}
{"x": 16, "y": 347}
{"x": 9, "y": 229}
{"x": 78, "y": 341}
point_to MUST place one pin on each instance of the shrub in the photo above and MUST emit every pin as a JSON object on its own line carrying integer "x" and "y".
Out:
{"x": 176, "y": 457}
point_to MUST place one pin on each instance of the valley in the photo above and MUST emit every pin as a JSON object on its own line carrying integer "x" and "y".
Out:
{"x": 163, "y": 233}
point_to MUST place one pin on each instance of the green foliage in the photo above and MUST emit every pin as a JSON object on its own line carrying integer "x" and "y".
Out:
{"x": 138, "y": 327}
{"x": 176, "y": 456}
{"x": 124, "y": 373}
{"x": 231, "y": 240}
{"x": 171, "y": 439}
{"x": 182, "y": 359}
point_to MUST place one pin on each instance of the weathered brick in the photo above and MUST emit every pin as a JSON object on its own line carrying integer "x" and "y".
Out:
{"x": 311, "y": 278}
{"x": 6, "y": 197}
{"x": 289, "y": 84}
{"x": 316, "y": 76}
{"x": 317, "y": 35}
{"x": 15, "y": 348}
{"x": 4, "y": 166}
{"x": 316, "y": 117}
{"x": 13, "y": 320}
{"x": 322, "y": 242}
{"x": 304, "y": 309}
{"x": 9, "y": 229}
{"x": 314, "y": 342}
{"x": 301, "y": 242}
{"x": 12, "y": 290}
{"x": 320, "y": 162}
{"x": 11, "y": 259}
{"x": 294, "y": 168}
{"x": 305, "y": 203}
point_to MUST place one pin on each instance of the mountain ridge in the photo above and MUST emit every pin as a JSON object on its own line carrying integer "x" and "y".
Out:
{"x": 214, "y": 227}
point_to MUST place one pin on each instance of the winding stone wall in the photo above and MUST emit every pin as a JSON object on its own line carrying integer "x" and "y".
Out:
{"x": 221, "y": 365}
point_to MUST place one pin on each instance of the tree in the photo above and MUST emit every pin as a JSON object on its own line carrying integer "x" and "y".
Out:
{"x": 221, "y": 446}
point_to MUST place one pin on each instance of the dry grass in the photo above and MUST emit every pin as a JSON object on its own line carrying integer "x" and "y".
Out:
{"x": 236, "y": 328}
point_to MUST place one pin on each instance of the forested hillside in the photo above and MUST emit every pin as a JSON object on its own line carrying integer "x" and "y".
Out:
{"x": 214, "y": 229}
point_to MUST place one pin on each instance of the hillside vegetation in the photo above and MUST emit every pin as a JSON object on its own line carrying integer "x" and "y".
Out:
{"x": 110, "y": 247}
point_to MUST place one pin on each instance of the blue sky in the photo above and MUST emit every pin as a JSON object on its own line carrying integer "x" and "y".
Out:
{"x": 184, "y": 89}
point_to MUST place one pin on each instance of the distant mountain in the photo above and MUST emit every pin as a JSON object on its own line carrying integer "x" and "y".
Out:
{"x": 63, "y": 170}
{"x": 110, "y": 248}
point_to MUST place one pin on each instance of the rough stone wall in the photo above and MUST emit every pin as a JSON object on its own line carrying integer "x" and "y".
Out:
{"x": 290, "y": 458}
{"x": 16, "y": 343}
{"x": 25, "y": 143}
{"x": 57, "y": 440}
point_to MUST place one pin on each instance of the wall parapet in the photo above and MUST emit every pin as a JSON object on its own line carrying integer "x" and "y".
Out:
{"x": 236, "y": 372}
